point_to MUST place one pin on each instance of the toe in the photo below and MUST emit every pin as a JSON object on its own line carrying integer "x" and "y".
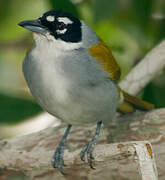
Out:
{"x": 59, "y": 166}
{"x": 83, "y": 151}
{"x": 90, "y": 158}
{"x": 53, "y": 163}
{"x": 58, "y": 161}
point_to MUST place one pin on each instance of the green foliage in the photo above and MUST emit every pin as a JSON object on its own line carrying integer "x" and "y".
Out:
{"x": 133, "y": 16}
{"x": 155, "y": 94}
{"x": 12, "y": 12}
{"x": 65, "y": 5}
{"x": 104, "y": 9}
{"x": 142, "y": 10}
{"x": 14, "y": 110}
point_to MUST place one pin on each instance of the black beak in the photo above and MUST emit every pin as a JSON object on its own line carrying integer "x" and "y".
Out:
{"x": 33, "y": 25}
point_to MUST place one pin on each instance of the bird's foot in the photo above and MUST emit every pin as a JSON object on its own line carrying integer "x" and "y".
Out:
{"x": 88, "y": 149}
{"x": 58, "y": 161}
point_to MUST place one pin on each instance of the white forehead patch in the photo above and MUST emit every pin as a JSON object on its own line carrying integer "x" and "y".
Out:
{"x": 65, "y": 20}
{"x": 50, "y": 18}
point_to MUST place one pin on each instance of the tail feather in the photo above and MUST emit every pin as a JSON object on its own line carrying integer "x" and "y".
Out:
{"x": 131, "y": 103}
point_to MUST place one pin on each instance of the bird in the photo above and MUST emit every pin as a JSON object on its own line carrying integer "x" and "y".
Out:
{"x": 74, "y": 76}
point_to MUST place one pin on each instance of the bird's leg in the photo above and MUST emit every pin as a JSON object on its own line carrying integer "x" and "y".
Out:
{"x": 58, "y": 161}
{"x": 88, "y": 148}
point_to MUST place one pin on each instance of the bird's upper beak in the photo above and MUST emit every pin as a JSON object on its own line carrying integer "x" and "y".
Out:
{"x": 33, "y": 25}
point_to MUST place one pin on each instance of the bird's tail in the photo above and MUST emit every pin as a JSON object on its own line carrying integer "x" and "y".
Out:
{"x": 130, "y": 103}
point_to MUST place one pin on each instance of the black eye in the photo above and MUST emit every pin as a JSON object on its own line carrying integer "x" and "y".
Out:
{"x": 61, "y": 26}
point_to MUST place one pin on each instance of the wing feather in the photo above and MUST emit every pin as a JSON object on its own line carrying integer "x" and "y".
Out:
{"x": 103, "y": 54}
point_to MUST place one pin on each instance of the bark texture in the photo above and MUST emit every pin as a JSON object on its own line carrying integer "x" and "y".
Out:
{"x": 32, "y": 153}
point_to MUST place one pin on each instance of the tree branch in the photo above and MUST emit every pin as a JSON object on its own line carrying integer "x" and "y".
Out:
{"x": 32, "y": 153}
{"x": 144, "y": 72}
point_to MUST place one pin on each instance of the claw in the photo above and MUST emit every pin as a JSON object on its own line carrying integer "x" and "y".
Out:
{"x": 82, "y": 157}
{"x": 90, "y": 161}
{"x": 91, "y": 165}
{"x": 61, "y": 170}
{"x": 53, "y": 163}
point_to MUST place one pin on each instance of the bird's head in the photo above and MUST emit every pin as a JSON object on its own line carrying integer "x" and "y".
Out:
{"x": 56, "y": 26}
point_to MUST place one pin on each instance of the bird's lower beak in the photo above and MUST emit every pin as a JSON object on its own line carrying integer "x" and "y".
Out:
{"x": 33, "y": 25}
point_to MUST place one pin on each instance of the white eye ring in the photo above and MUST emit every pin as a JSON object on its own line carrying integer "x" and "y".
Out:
{"x": 61, "y": 31}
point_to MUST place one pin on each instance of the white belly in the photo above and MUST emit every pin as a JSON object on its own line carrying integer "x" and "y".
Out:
{"x": 63, "y": 96}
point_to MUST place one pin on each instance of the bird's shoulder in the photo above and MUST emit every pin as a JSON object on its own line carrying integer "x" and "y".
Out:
{"x": 104, "y": 55}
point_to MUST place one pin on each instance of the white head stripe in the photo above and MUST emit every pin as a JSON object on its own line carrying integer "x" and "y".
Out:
{"x": 50, "y": 18}
{"x": 65, "y": 20}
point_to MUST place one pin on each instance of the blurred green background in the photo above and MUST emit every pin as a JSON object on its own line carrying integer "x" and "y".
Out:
{"x": 130, "y": 28}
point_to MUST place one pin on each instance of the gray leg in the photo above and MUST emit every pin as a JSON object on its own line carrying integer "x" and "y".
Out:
{"x": 58, "y": 161}
{"x": 88, "y": 148}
